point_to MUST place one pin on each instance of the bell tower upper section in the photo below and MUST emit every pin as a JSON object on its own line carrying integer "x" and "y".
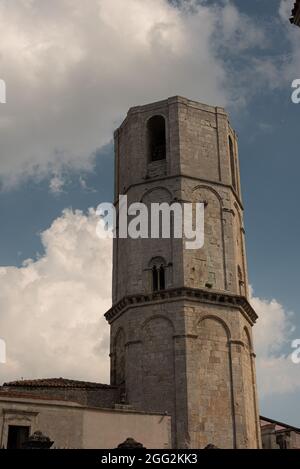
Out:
{"x": 179, "y": 150}
{"x": 176, "y": 137}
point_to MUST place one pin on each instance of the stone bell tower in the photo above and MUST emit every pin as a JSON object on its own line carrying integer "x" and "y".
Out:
{"x": 181, "y": 323}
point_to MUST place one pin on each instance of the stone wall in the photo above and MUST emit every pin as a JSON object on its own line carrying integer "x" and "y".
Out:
{"x": 72, "y": 426}
{"x": 194, "y": 362}
{"x": 192, "y": 359}
{"x": 105, "y": 397}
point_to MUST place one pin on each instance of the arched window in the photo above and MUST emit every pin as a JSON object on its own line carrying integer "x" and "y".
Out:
{"x": 232, "y": 163}
{"x": 158, "y": 272}
{"x": 157, "y": 138}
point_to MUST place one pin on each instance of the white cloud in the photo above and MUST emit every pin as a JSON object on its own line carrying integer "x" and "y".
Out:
{"x": 273, "y": 335}
{"x": 238, "y": 31}
{"x": 56, "y": 184}
{"x": 84, "y": 186}
{"x": 285, "y": 9}
{"x": 73, "y": 68}
{"x": 52, "y": 308}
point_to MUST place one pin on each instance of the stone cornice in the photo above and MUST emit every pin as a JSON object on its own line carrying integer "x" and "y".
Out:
{"x": 182, "y": 175}
{"x": 163, "y": 105}
{"x": 174, "y": 294}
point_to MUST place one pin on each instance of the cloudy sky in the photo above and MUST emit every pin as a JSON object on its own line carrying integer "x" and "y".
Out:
{"x": 72, "y": 70}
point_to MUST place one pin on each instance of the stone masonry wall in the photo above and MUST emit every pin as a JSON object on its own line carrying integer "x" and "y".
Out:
{"x": 189, "y": 358}
{"x": 192, "y": 361}
{"x": 105, "y": 397}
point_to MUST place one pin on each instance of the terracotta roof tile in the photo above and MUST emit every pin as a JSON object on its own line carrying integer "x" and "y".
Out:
{"x": 56, "y": 383}
{"x": 27, "y": 395}
{"x": 266, "y": 420}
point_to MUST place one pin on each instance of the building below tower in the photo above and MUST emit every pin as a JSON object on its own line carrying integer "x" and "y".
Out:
{"x": 62, "y": 410}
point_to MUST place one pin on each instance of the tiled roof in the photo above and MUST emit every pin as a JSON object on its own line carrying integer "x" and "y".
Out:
{"x": 27, "y": 395}
{"x": 266, "y": 420}
{"x": 295, "y": 10}
{"x": 55, "y": 383}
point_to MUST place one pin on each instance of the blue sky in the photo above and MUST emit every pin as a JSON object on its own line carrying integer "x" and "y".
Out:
{"x": 34, "y": 207}
{"x": 255, "y": 85}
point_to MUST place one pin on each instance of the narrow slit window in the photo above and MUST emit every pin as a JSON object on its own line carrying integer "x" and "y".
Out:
{"x": 155, "y": 278}
{"x": 162, "y": 282}
{"x": 232, "y": 163}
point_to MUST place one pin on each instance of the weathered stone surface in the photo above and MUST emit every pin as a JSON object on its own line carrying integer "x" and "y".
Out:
{"x": 85, "y": 393}
{"x": 184, "y": 355}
